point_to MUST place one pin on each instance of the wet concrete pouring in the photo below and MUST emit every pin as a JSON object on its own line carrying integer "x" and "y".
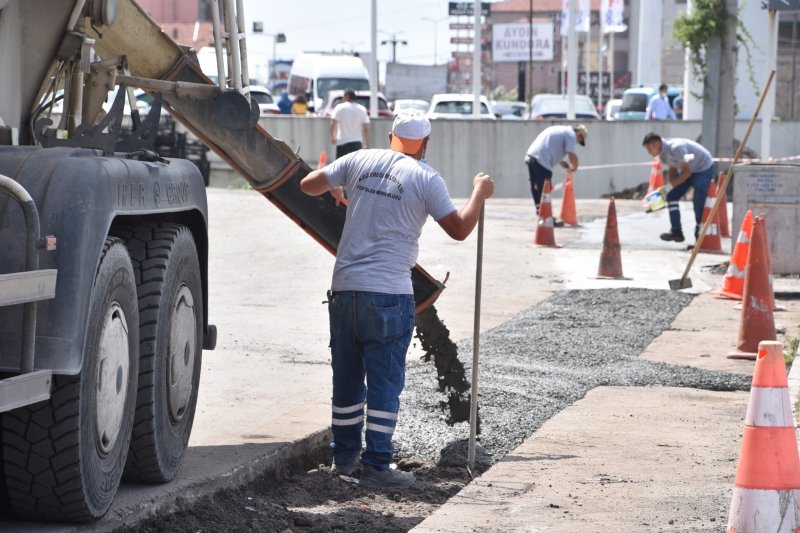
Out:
{"x": 531, "y": 368}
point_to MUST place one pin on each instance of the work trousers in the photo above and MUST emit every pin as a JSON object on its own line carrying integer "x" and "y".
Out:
{"x": 700, "y": 182}
{"x": 370, "y": 334}
{"x": 537, "y": 175}
{"x": 346, "y": 148}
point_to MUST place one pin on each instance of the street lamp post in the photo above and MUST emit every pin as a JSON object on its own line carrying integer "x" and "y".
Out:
{"x": 394, "y": 41}
{"x": 435, "y": 36}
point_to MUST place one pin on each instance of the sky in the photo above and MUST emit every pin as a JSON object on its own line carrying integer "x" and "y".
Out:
{"x": 324, "y": 25}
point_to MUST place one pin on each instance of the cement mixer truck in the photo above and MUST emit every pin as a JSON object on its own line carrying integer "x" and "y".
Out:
{"x": 104, "y": 245}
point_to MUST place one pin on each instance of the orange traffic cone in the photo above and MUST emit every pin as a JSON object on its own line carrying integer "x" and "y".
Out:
{"x": 544, "y": 230}
{"x": 323, "y": 159}
{"x": 775, "y": 307}
{"x": 766, "y": 493}
{"x": 757, "y": 322}
{"x": 656, "y": 175}
{"x": 733, "y": 282}
{"x": 568, "y": 214}
{"x": 711, "y": 242}
{"x": 722, "y": 212}
{"x": 610, "y": 259}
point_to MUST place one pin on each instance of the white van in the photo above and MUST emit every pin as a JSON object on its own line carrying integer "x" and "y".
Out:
{"x": 313, "y": 75}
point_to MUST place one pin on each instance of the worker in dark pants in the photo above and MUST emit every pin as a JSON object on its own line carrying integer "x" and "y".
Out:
{"x": 391, "y": 193}
{"x": 689, "y": 165}
{"x": 547, "y": 151}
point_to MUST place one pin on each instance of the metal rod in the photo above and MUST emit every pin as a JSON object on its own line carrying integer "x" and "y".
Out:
{"x": 242, "y": 41}
{"x": 726, "y": 179}
{"x": 180, "y": 88}
{"x": 476, "y": 332}
{"x": 233, "y": 43}
{"x": 218, "y": 45}
{"x": 31, "y": 215}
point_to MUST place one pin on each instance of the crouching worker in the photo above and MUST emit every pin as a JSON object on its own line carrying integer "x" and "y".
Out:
{"x": 689, "y": 165}
{"x": 371, "y": 303}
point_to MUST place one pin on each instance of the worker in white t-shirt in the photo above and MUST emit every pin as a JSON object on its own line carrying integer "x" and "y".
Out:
{"x": 349, "y": 125}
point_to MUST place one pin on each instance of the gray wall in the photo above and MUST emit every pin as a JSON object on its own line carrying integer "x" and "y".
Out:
{"x": 461, "y": 148}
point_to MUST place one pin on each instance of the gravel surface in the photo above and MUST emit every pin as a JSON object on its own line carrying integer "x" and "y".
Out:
{"x": 543, "y": 360}
{"x": 532, "y": 367}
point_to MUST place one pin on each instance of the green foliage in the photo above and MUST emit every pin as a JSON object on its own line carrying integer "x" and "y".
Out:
{"x": 502, "y": 95}
{"x": 790, "y": 349}
{"x": 708, "y": 19}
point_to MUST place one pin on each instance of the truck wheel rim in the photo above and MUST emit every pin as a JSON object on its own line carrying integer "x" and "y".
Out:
{"x": 112, "y": 377}
{"x": 180, "y": 358}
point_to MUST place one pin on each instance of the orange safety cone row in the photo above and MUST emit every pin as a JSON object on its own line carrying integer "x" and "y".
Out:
{"x": 722, "y": 212}
{"x": 733, "y": 282}
{"x": 711, "y": 243}
{"x": 610, "y": 258}
{"x": 568, "y": 212}
{"x": 323, "y": 160}
{"x": 766, "y": 493}
{"x": 656, "y": 176}
{"x": 757, "y": 321}
{"x": 775, "y": 307}
{"x": 544, "y": 229}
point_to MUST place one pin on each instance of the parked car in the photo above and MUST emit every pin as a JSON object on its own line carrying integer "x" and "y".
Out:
{"x": 552, "y": 106}
{"x": 263, "y": 98}
{"x": 405, "y": 105}
{"x": 335, "y": 98}
{"x": 612, "y": 109}
{"x": 635, "y": 100}
{"x": 451, "y": 105}
{"x": 508, "y": 110}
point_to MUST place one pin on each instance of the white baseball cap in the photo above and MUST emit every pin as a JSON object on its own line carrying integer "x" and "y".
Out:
{"x": 408, "y": 132}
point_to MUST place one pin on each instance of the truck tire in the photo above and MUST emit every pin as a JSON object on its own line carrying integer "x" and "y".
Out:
{"x": 64, "y": 457}
{"x": 169, "y": 287}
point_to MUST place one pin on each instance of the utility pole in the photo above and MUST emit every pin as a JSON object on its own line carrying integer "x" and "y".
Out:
{"x": 394, "y": 41}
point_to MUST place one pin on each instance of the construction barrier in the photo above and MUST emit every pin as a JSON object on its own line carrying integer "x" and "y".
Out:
{"x": 733, "y": 282}
{"x": 757, "y": 321}
{"x": 568, "y": 212}
{"x": 766, "y": 493}
{"x": 711, "y": 243}
{"x": 610, "y": 258}
{"x": 545, "y": 235}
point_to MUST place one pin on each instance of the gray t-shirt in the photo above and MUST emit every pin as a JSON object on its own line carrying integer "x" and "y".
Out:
{"x": 552, "y": 145}
{"x": 676, "y": 151}
{"x": 390, "y": 196}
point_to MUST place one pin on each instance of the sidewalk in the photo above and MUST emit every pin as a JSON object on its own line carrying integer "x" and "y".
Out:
{"x": 627, "y": 459}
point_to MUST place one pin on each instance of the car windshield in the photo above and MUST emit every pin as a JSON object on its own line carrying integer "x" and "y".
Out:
{"x": 559, "y": 105}
{"x": 340, "y": 84}
{"x": 458, "y": 108}
{"x": 421, "y": 106}
{"x": 633, "y": 102}
{"x": 261, "y": 98}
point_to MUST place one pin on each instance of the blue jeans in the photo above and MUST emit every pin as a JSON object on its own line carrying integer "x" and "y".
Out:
{"x": 700, "y": 181}
{"x": 370, "y": 334}
{"x": 537, "y": 175}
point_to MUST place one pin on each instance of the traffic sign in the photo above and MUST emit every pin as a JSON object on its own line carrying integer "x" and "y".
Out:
{"x": 467, "y": 8}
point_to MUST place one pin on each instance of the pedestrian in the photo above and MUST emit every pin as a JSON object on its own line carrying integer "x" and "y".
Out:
{"x": 300, "y": 105}
{"x": 548, "y": 150}
{"x": 284, "y": 103}
{"x": 677, "y": 106}
{"x": 659, "y": 108}
{"x": 689, "y": 164}
{"x": 349, "y": 125}
{"x": 371, "y": 303}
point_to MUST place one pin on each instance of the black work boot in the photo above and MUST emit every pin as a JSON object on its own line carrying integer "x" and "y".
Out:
{"x": 349, "y": 469}
{"x": 372, "y": 478}
{"x": 673, "y": 236}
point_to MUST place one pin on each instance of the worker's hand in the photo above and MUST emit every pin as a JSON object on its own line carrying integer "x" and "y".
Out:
{"x": 483, "y": 184}
{"x": 667, "y": 187}
{"x": 338, "y": 195}
{"x": 564, "y": 164}
{"x": 333, "y": 141}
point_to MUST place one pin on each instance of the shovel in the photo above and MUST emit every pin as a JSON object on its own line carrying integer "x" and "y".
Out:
{"x": 685, "y": 282}
{"x": 473, "y": 404}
